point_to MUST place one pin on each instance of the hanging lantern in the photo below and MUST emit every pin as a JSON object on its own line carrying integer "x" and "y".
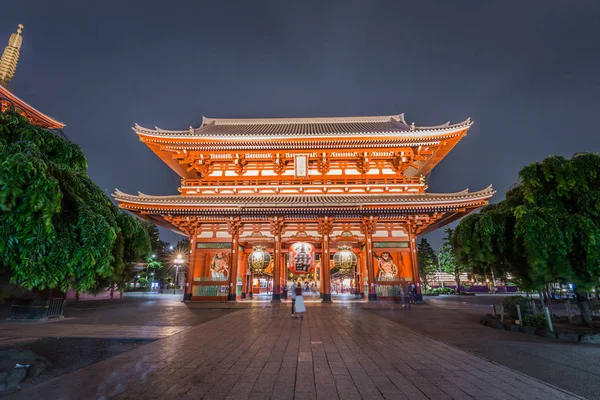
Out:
{"x": 344, "y": 260}
{"x": 259, "y": 260}
{"x": 302, "y": 258}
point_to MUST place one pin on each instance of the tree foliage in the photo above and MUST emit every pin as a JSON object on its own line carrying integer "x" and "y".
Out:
{"x": 546, "y": 230}
{"x": 57, "y": 227}
{"x": 448, "y": 260}
{"x": 427, "y": 260}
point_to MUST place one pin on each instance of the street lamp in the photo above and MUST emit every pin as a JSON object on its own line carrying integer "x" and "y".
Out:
{"x": 178, "y": 263}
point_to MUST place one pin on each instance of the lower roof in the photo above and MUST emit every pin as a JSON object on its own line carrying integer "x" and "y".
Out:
{"x": 303, "y": 201}
{"x": 447, "y": 206}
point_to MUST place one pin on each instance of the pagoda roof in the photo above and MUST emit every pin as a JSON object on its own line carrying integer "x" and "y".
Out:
{"x": 450, "y": 206}
{"x": 311, "y": 201}
{"x": 290, "y": 128}
{"x": 36, "y": 117}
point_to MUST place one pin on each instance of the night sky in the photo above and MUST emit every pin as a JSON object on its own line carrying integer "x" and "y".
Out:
{"x": 527, "y": 73}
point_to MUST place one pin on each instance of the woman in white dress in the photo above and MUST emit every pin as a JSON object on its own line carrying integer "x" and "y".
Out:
{"x": 300, "y": 307}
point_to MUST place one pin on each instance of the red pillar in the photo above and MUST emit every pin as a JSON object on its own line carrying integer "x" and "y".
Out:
{"x": 244, "y": 275}
{"x": 234, "y": 231}
{"x": 325, "y": 271}
{"x": 187, "y": 296}
{"x": 325, "y": 228}
{"x": 276, "y": 296}
{"x": 412, "y": 243}
{"x": 276, "y": 230}
{"x": 368, "y": 227}
{"x": 282, "y": 274}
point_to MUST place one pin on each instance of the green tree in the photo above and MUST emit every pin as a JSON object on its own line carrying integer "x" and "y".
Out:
{"x": 427, "y": 261}
{"x": 448, "y": 260}
{"x": 154, "y": 235}
{"x": 131, "y": 246}
{"x": 546, "y": 230}
{"x": 57, "y": 228}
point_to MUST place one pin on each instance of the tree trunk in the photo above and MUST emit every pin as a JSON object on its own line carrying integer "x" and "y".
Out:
{"x": 457, "y": 279}
{"x": 584, "y": 308}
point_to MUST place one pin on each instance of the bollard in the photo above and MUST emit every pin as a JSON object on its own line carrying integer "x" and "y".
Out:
{"x": 568, "y": 305}
{"x": 519, "y": 314}
{"x": 495, "y": 313}
{"x": 548, "y": 318}
{"x": 502, "y": 314}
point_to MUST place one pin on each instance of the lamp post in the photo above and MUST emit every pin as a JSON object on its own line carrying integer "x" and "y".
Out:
{"x": 178, "y": 263}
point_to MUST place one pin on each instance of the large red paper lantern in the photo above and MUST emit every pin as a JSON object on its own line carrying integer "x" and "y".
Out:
{"x": 302, "y": 258}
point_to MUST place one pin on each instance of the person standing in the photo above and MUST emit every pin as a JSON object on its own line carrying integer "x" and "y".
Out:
{"x": 300, "y": 307}
{"x": 411, "y": 292}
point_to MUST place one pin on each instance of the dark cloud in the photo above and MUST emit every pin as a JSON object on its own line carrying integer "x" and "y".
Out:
{"x": 526, "y": 72}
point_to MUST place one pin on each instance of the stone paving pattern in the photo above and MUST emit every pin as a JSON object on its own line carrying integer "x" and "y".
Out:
{"x": 261, "y": 353}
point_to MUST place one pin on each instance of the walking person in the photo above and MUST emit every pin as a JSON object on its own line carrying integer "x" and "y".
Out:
{"x": 300, "y": 307}
{"x": 411, "y": 293}
{"x": 405, "y": 298}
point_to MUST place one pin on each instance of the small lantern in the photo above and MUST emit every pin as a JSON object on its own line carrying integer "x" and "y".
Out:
{"x": 344, "y": 260}
{"x": 259, "y": 260}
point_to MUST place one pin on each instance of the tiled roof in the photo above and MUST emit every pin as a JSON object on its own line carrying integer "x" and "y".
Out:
{"x": 36, "y": 117}
{"x": 306, "y": 201}
{"x": 390, "y": 125}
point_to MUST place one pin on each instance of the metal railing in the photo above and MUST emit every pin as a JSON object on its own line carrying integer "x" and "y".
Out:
{"x": 37, "y": 309}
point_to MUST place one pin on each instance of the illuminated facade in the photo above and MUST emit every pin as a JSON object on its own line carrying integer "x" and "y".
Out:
{"x": 303, "y": 189}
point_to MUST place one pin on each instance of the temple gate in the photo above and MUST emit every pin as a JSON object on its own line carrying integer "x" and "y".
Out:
{"x": 299, "y": 192}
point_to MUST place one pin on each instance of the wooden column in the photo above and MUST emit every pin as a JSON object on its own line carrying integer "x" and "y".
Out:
{"x": 282, "y": 275}
{"x": 325, "y": 228}
{"x": 276, "y": 227}
{"x": 187, "y": 296}
{"x": 233, "y": 227}
{"x": 363, "y": 269}
{"x": 244, "y": 274}
{"x": 368, "y": 227}
{"x": 251, "y": 284}
{"x": 412, "y": 243}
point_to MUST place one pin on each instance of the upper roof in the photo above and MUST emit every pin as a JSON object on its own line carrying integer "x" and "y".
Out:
{"x": 273, "y": 128}
{"x": 36, "y": 117}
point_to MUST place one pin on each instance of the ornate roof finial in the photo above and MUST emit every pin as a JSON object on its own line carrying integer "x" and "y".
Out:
{"x": 10, "y": 57}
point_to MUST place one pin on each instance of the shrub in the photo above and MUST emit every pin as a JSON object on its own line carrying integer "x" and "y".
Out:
{"x": 510, "y": 306}
{"x": 444, "y": 290}
{"x": 143, "y": 282}
{"x": 537, "y": 321}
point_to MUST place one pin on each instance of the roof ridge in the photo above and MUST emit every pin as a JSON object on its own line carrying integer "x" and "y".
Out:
{"x": 305, "y": 120}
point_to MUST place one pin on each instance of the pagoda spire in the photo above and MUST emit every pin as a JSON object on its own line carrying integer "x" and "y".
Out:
{"x": 10, "y": 57}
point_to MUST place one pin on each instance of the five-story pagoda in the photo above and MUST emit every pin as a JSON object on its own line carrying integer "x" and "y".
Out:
{"x": 310, "y": 198}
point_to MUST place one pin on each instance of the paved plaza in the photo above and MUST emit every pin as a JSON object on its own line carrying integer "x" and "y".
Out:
{"x": 336, "y": 351}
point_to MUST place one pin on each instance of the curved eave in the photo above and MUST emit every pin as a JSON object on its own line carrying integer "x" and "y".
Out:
{"x": 357, "y": 204}
{"x": 36, "y": 117}
{"x": 192, "y": 137}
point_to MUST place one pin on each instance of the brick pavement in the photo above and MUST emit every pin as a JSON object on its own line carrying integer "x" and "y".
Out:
{"x": 261, "y": 353}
